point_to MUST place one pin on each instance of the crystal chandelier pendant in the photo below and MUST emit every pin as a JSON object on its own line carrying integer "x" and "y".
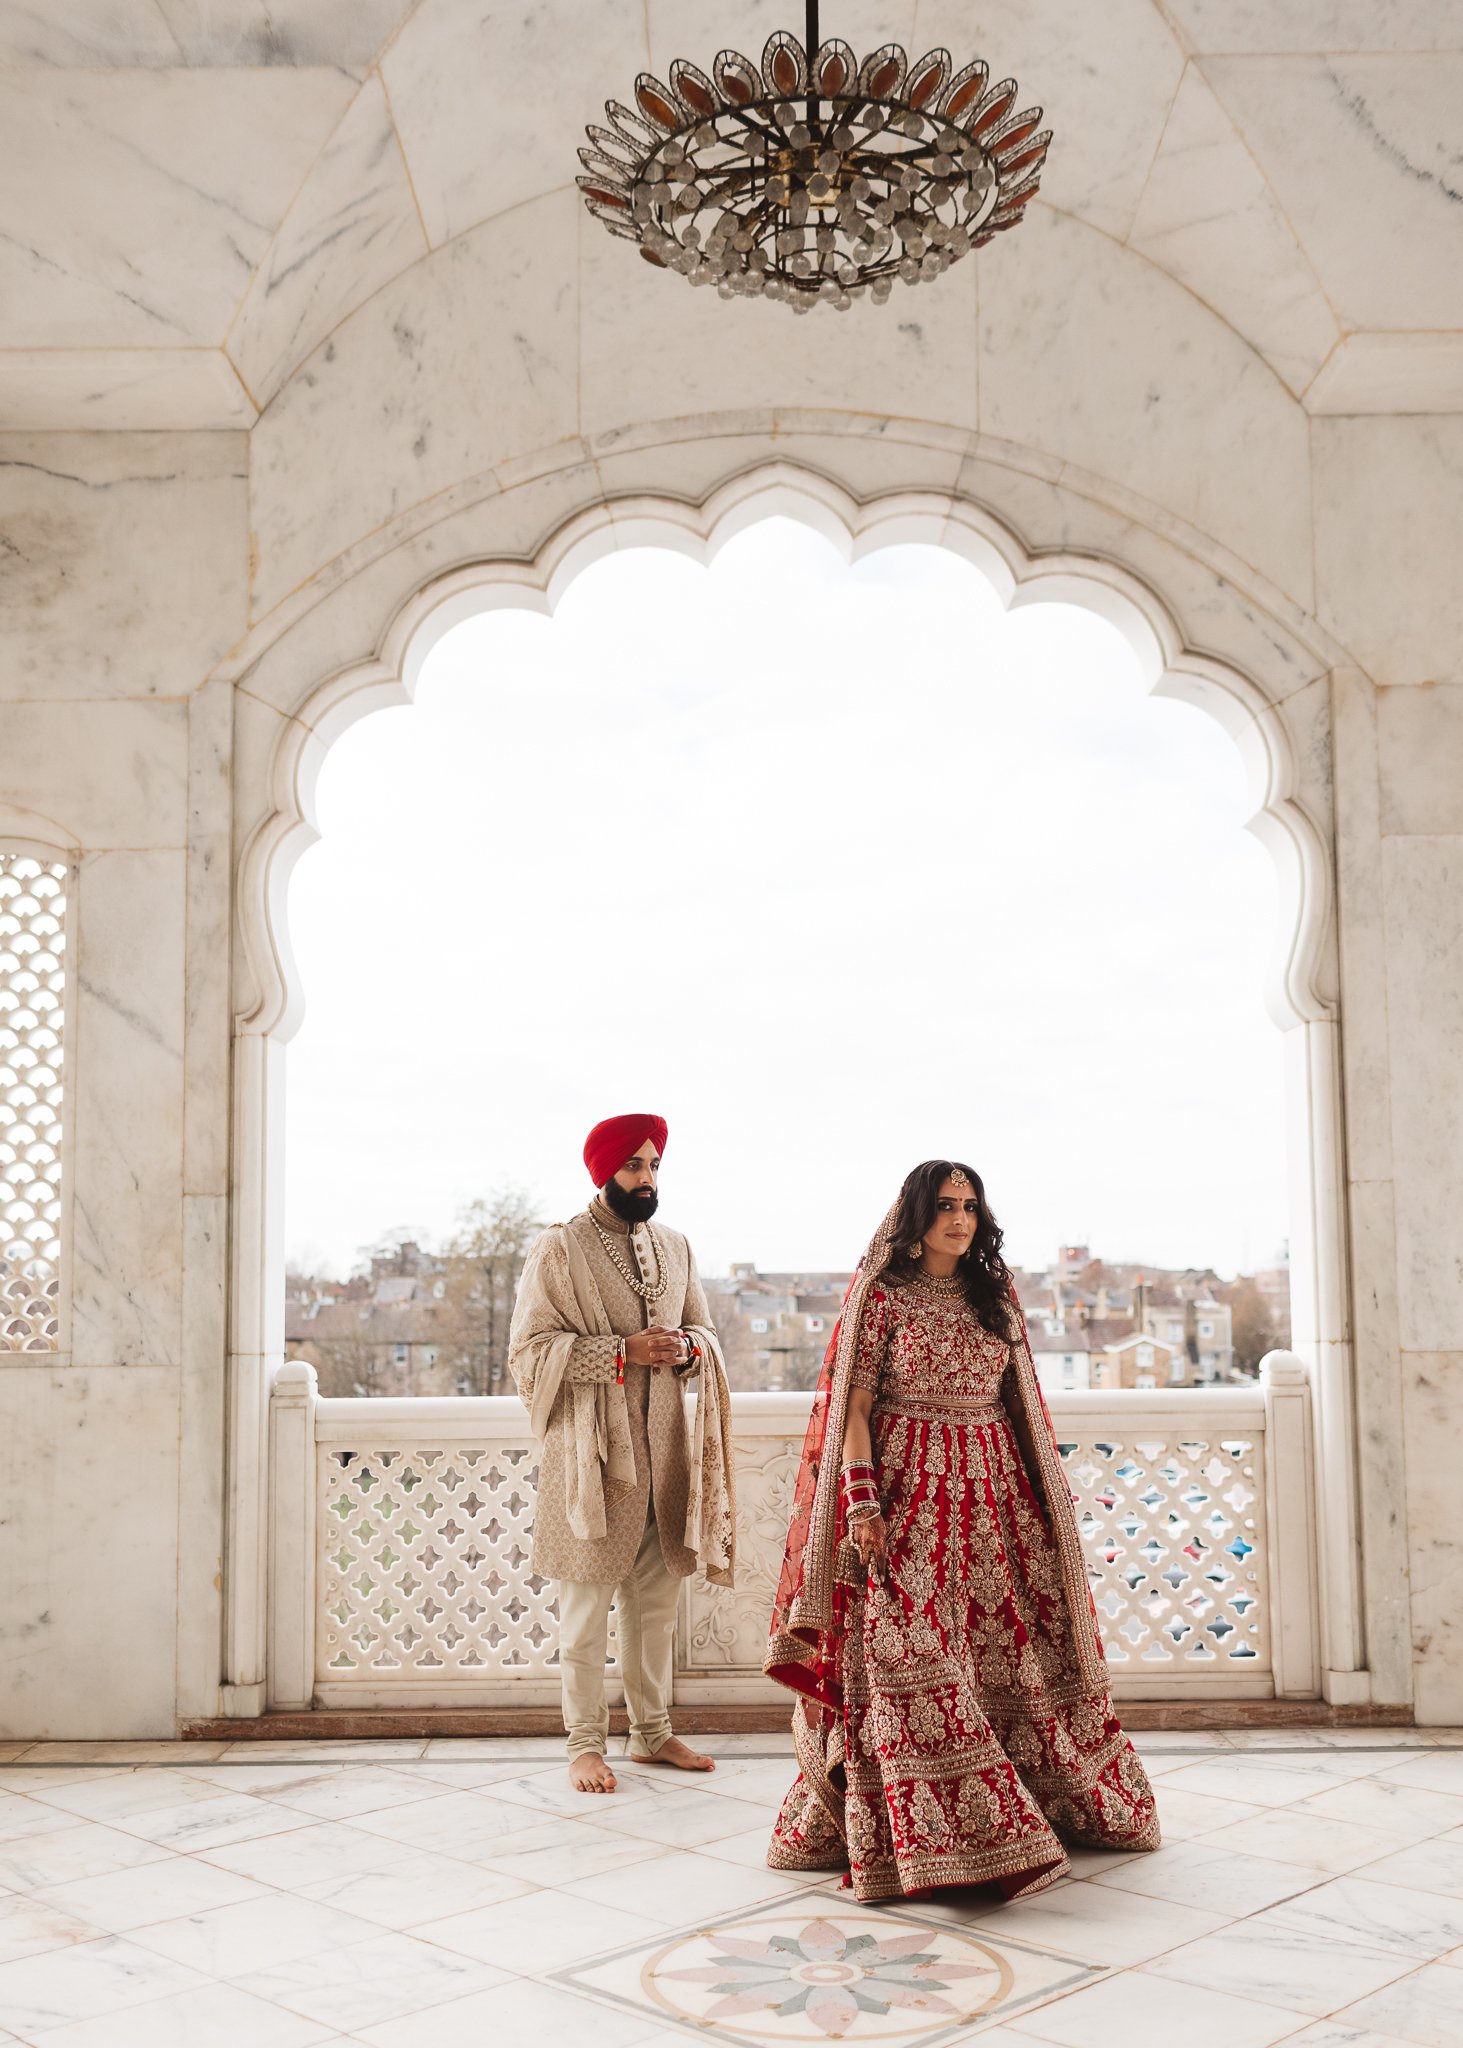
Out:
{"x": 814, "y": 178}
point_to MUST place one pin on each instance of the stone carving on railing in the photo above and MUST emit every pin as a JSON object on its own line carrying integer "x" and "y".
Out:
{"x": 32, "y": 1014}
{"x": 725, "y": 1630}
{"x": 401, "y": 1540}
{"x": 1174, "y": 1527}
{"x": 423, "y": 1564}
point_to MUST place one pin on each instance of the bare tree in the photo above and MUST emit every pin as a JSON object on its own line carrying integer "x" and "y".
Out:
{"x": 1254, "y": 1327}
{"x": 395, "y": 1251}
{"x": 349, "y": 1364}
{"x": 481, "y": 1264}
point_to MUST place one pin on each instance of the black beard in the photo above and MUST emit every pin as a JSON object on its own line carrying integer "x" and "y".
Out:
{"x": 638, "y": 1207}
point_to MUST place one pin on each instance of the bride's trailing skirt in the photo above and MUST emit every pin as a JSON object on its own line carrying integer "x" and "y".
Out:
{"x": 968, "y": 1748}
{"x": 955, "y": 1725}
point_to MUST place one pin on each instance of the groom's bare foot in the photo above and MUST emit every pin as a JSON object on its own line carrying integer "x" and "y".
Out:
{"x": 590, "y": 1773}
{"x": 676, "y": 1753}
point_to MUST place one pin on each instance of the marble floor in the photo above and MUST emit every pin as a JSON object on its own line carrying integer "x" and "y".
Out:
{"x": 457, "y": 1894}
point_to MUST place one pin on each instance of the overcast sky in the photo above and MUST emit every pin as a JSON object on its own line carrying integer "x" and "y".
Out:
{"x": 837, "y": 869}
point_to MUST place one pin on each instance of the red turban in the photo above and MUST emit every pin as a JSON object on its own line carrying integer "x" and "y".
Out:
{"x": 617, "y": 1139}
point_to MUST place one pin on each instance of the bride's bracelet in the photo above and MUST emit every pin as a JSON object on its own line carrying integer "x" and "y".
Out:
{"x": 860, "y": 1493}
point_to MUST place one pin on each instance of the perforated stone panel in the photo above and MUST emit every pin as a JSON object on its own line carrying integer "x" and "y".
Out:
{"x": 1174, "y": 1528}
{"x": 423, "y": 1577}
{"x": 423, "y": 1566}
{"x": 32, "y": 1022}
{"x": 725, "y": 1628}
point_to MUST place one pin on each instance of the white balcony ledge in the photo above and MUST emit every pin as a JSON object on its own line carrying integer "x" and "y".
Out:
{"x": 400, "y": 1539}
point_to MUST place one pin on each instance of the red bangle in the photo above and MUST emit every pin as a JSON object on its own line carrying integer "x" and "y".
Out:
{"x": 619, "y": 1361}
{"x": 860, "y": 1491}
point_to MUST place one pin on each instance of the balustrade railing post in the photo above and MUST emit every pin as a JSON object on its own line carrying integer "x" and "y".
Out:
{"x": 292, "y": 1537}
{"x": 1290, "y": 1516}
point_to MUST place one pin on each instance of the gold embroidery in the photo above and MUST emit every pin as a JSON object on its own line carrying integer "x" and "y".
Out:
{"x": 978, "y": 1728}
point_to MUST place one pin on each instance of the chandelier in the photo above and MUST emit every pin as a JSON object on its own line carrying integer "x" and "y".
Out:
{"x": 814, "y": 177}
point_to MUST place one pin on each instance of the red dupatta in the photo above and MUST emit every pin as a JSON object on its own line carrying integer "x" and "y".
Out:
{"x": 820, "y": 1564}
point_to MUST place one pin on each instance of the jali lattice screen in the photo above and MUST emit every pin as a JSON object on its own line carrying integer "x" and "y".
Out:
{"x": 423, "y": 1565}
{"x": 32, "y": 1022}
{"x": 1175, "y": 1538}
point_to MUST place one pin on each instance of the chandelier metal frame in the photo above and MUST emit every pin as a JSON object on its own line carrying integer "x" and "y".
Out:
{"x": 810, "y": 178}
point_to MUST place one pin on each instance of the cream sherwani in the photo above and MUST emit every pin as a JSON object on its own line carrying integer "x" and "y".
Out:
{"x": 642, "y": 1556}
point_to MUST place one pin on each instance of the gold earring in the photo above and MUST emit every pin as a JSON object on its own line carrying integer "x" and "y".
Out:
{"x": 916, "y": 1250}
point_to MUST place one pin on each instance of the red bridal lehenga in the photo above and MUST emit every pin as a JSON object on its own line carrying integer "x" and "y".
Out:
{"x": 955, "y": 1725}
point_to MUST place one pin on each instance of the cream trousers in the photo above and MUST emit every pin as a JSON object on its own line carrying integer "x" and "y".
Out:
{"x": 646, "y": 1599}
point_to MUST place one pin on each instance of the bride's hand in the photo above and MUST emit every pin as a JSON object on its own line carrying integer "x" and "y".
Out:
{"x": 871, "y": 1539}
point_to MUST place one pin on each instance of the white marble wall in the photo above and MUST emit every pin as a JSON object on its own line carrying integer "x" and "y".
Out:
{"x": 173, "y": 600}
{"x": 1389, "y": 525}
{"x": 124, "y": 558}
{"x": 535, "y": 327}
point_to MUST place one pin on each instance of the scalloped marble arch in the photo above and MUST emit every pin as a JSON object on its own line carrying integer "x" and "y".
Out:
{"x": 1258, "y": 704}
{"x": 1299, "y": 987}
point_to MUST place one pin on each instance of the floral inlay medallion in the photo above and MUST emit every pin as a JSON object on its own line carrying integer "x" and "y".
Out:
{"x": 831, "y": 1978}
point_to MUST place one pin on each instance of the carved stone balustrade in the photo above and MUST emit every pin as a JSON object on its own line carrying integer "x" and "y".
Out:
{"x": 400, "y": 1536}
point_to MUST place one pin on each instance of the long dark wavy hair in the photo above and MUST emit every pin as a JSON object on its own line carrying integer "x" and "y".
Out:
{"x": 985, "y": 1273}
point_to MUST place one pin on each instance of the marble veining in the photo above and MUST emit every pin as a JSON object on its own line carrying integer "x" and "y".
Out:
{"x": 353, "y": 227}
{"x": 1208, "y": 217}
{"x": 1121, "y": 58}
{"x": 121, "y": 390}
{"x": 1375, "y": 128}
{"x": 499, "y": 123}
{"x": 1258, "y": 26}
{"x": 160, "y": 34}
{"x": 1131, "y": 404}
{"x": 432, "y": 383}
{"x": 1384, "y": 581}
{"x": 85, "y": 522}
{"x": 187, "y": 174}
{"x": 126, "y": 1206}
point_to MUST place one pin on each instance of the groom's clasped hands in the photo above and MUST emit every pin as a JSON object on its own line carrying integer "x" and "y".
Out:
{"x": 657, "y": 1346}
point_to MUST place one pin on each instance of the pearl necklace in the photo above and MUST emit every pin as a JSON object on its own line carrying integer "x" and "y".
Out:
{"x": 647, "y": 1293}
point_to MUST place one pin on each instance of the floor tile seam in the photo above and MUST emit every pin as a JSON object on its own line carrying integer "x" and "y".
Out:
{"x": 407, "y": 1848}
{"x": 1371, "y": 1951}
{"x": 275, "y": 1889}
{"x": 1305, "y": 2020}
{"x": 301, "y": 1821}
{"x": 79, "y": 1815}
{"x": 166, "y": 1991}
{"x": 240, "y": 1979}
{"x": 1323, "y": 1875}
{"x": 243, "y": 1755}
{"x": 1369, "y": 1873}
{"x": 668, "y": 1848}
{"x": 548, "y": 1972}
{"x": 1061, "y": 1994}
{"x": 1282, "y": 1906}
{"x": 1378, "y": 1950}
{"x": 1228, "y": 1921}
{"x": 235, "y": 1979}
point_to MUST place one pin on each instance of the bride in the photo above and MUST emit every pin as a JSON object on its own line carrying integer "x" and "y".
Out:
{"x": 933, "y": 1610}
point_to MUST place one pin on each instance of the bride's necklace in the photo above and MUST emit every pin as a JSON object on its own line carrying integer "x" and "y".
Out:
{"x": 647, "y": 1291}
{"x": 941, "y": 1283}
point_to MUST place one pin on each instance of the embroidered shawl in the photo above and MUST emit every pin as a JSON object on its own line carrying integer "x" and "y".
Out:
{"x": 591, "y": 1420}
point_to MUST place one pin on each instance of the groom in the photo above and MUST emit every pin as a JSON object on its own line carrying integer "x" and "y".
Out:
{"x": 609, "y": 1323}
